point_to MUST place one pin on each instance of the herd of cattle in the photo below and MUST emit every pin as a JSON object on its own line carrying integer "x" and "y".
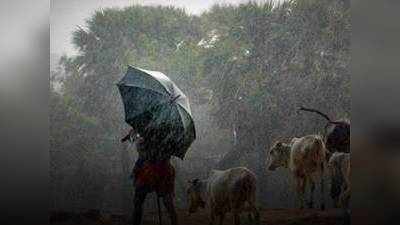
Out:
{"x": 307, "y": 158}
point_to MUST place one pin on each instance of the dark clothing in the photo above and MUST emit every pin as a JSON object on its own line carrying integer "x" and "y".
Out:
{"x": 156, "y": 176}
{"x": 150, "y": 174}
{"x": 153, "y": 172}
{"x": 138, "y": 164}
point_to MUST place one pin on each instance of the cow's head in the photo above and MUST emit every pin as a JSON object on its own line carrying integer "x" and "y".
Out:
{"x": 338, "y": 136}
{"x": 279, "y": 155}
{"x": 194, "y": 196}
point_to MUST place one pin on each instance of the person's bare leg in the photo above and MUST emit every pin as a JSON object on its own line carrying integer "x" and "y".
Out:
{"x": 168, "y": 201}
{"x": 212, "y": 215}
{"x": 140, "y": 196}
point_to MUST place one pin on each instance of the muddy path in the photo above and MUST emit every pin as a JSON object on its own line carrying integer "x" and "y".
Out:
{"x": 267, "y": 217}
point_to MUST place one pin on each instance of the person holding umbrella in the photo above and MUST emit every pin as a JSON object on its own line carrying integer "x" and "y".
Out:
{"x": 151, "y": 174}
{"x": 162, "y": 127}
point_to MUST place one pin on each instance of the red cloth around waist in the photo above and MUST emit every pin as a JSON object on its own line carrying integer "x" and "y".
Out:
{"x": 159, "y": 176}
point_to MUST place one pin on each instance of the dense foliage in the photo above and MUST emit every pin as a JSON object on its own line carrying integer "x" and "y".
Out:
{"x": 246, "y": 69}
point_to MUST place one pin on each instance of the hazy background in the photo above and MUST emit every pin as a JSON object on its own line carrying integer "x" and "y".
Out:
{"x": 25, "y": 66}
{"x": 246, "y": 68}
{"x": 66, "y": 15}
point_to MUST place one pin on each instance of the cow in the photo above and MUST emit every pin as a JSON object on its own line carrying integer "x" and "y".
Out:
{"x": 337, "y": 139}
{"x": 224, "y": 191}
{"x": 305, "y": 158}
{"x": 339, "y": 167}
{"x": 337, "y": 133}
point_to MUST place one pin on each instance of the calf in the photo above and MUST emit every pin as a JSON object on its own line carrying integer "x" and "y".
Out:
{"x": 339, "y": 166}
{"x": 224, "y": 191}
{"x": 305, "y": 158}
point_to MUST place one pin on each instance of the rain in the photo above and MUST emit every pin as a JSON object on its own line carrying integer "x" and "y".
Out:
{"x": 246, "y": 67}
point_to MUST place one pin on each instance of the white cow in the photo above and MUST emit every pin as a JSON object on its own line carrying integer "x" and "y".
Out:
{"x": 224, "y": 191}
{"x": 339, "y": 166}
{"x": 305, "y": 158}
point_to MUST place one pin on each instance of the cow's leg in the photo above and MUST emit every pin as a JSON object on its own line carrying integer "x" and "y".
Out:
{"x": 253, "y": 208}
{"x": 312, "y": 189}
{"x": 336, "y": 183}
{"x": 255, "y": 213}
{"x": 212, "y": 215}
{"x": 237, "y": 204}
{"x": 168, "y": 201}
{"x": 221, "y": 218}
{"x": 322, "y": 178}
{"x": 343, "y": 198}
{"x": 140, "y": 196}
{"x": 345, "y": 195}
{"x": 335, "y": 190}
{"x": 236, "y": 217}
{"x": 300, "y": 186}
{"x": 250, "y": 218}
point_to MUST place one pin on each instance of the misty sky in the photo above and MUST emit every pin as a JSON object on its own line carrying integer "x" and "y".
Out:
{"x": 65, "y": 15}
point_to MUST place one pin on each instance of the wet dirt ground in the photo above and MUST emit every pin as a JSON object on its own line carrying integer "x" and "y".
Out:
{"x": 267, "y": 217}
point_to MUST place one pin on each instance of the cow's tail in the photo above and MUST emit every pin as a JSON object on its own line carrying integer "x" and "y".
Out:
{"x": 318, "y": 112}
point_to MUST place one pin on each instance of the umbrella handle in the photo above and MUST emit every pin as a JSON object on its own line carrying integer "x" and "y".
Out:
{"x": 129, "y": 135}
{"x": 125, "y": 138}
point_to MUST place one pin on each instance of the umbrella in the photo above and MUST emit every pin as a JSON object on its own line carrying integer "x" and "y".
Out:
{"x": 158, "y": 110}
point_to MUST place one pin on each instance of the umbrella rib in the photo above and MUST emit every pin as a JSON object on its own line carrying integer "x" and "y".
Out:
{"x": 130, "y": 85}
{"x": 148, "y": 74}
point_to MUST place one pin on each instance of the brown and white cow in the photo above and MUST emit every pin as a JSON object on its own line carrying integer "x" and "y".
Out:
{"x": 225, "y": 191}
{"x": 339, "y": 167}
{"x": 305, "y": 158}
